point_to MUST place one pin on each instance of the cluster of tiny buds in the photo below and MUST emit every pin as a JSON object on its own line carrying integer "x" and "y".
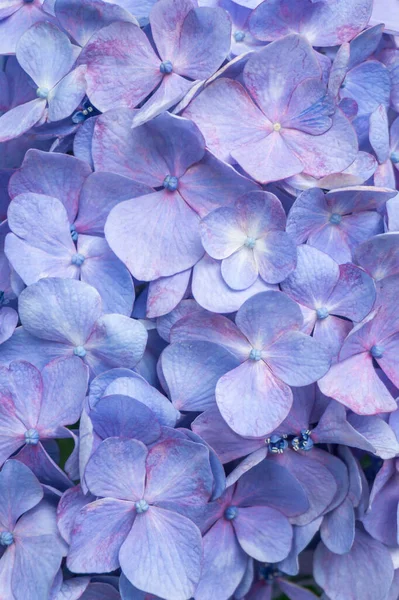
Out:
{"x": 277, "y": 444}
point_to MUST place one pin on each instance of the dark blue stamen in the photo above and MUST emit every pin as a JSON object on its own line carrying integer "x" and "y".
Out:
{"x": 303, "y": 441}
{"x": 230, "y": 513}
{"x": 32, "y": 437}
{"x": 377, "y": 351}
{"x": 6, "y": 538}
{"x": 79, "y": 351}
{"x": 74, "y": 233}
{"x": 141, "y": 506}
{"x": 395, "y": 157}
{"x": 322, "y": 313}
{"x": 277, "y": 444}
{"x": 171, "y": 183}
{"x": 166, "y": 67}
{"x": 335, "y": 219}
{"x": 239, "y": 36}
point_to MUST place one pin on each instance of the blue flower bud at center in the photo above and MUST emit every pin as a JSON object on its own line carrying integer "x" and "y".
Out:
{"x": 255, "y": 354}
{"x": 239, "y": 36}
{"x": 277, "y": 444}
{"x": 230, "y": 513}
{"x": 42, "y": 92}
{"x": 6, "y": 538}
{"x": 171, "y": 183}
{"x": 79, "y": 351}
{"x": 32, "y": 437}
{"x": 395, "y": 157}
{"x": 303, "y": 441}
{"x": 141, "y": 506}
{"x": 335, "y": 219}
{"x": 74, "y": 233}
{"x": 322, "y": 313}
{"x": 250, "y": 242}
{"x": 377, "y": 351}
{"x": 78, "y": 259}
{"x": 166, "y": 67}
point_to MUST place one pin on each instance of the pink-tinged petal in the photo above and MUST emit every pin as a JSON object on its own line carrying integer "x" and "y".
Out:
{"x": 58, "y": 175}
{"x": 354, "y": 383}
{"x": 71, "y": 502}
{"x": 185, "y": 308}
{"x": 72, "y": 589}
{"x": 98, "y": 533}
{"x": 272, "y": 74}
{"x": 41, "y": 227}
{"x": 9, "y": 7}
{"x": 222, "y": 233}
{"x": 338, "y": 528}
{"x": 82, "y": 19}
{"x": 162, "y": 554}
{"x": 263, "y": 533}
{"x": 386, "y": 13}
{"x": 6, "y": 570}
{"x": 212, "y": 292}
{"x": 240, "y": 270}
{"x": 381, "y": 519}
{"x": 369, "y": 84}
{"x": 354, "y": 294}
{"x": 20, "y": 491}
{"x": 339, "y": 69}
{"x": 224, "y": 562}
{"x": 82, "y": 142}
{"x": 43, "y": 466}
{"x": 211, "y": 328}
{"x": 12, "y": 28}
{"x": 323, "y": 23}
{"x": 122, "y": 68}
{"x": 310, "y": 108}
{"x": 377, "y": 433}
{"x": 165, "y": 293}
{"x": 314, "y": 278}
{"x": 331, "y": 333}
{"x": 204, "y": 42}
{"x": 351, "y": 576}
{"x": 64, "y": 389}
{"x": 40, "y": 43}
{"x": 166, "y": 239}
{"x": 297, "y": 359}
{"x": 379, "y": 256}
{"x": 389, "y": 362}
{"x": 365, "y": 44}
{"x": 22, "y": 345}
{"x": 61, "y": 310}
{"x": 276, "y": 256}
{"x": 27, "y": 390}
{"x": 264, "y": 317}
{"x": 226, "y": 100}
{"x": 105, "y": 272}
{"x": 379, "y": 133}
{"x": 318, "y": 482}
{"x": 251, "y": 400}
{"x": 100, "y": 193}
{"x": 66, "y": 96}
{"x": 12, "y": 430}
{"x": 212, "y": 183}
{"x": 167, "y": 19}
{"x": 116, "y": 341}
{"x": 309, "y": 212}
{"x": 179, "y": 476}
{"x": 117, "y": 469}
{"x": 360, "y": 227}
{"x": 192, "y": 370}
{"x": 211, "y": 426}
{"x": 324, "y": 154}
{"x": 20, "y": 119}
{"x": 384, "y": 176}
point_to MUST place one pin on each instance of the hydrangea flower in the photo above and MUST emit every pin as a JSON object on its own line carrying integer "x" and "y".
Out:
{"x": 31, "y": 547}
{"x": 332, "y": 297}
{"x": 272, "y": 354}
{"x": 16, "y": 17}
{"x": 64, "y": 317}
{"x": 250, "y": 239}
{"x": 36, "y": 407}
{"x": 379, "y": 255}
{"x": 149, "y": 495}
{"x": 385, "y": 143}
{"x": 338, "y": 221}
{"x": 123, "y": 68}
{"x": 291, "y": 118}
{"x": 60, "y": 87}
{"x": 322, "y": 22}
{"x": 190, "y": 183}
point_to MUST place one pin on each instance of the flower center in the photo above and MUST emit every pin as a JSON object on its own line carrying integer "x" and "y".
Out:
{"x": 42, "y": 92}
{"x": 6, "y": 538}
{"x": 255, "y": 354}
{"x": 166, "y": 67}
{"x": 302, "y": 441}
{"x": 269, "y": 572}
{"x": 78, "y": 259}
{"x": 32, "y": 437}
{"x": 376, "y": 351}
{"x": 230, "y": 513}
{"x": 395, "y": 157}
{"x": 79, "y": 351}
{"x": 276, "y": 126}
{"x": 335, "y": 219}
{"x": 141, "y": 506}
{"x": 239, "y": 36}
{"x": 322, "y": 313}
{"x": 171, "y": 183}
{"x": 277, "y": 444}
{"x": 250, "y": 242}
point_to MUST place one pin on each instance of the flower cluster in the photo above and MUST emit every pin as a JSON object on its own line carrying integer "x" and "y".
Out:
{"x": 199, "y": 282}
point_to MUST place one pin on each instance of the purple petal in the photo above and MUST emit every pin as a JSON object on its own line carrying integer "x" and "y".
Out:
{"x": 43, "y": 466}
{"x": 379, "y": 255}
{"x": 20, "y": 119}
{"x": 19, "y": 492}
{"x": 66, "y": 96}
{"x": 338, "y": 528}
{"x": 165, "y": 293}
{"x": 263, "y": 533}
